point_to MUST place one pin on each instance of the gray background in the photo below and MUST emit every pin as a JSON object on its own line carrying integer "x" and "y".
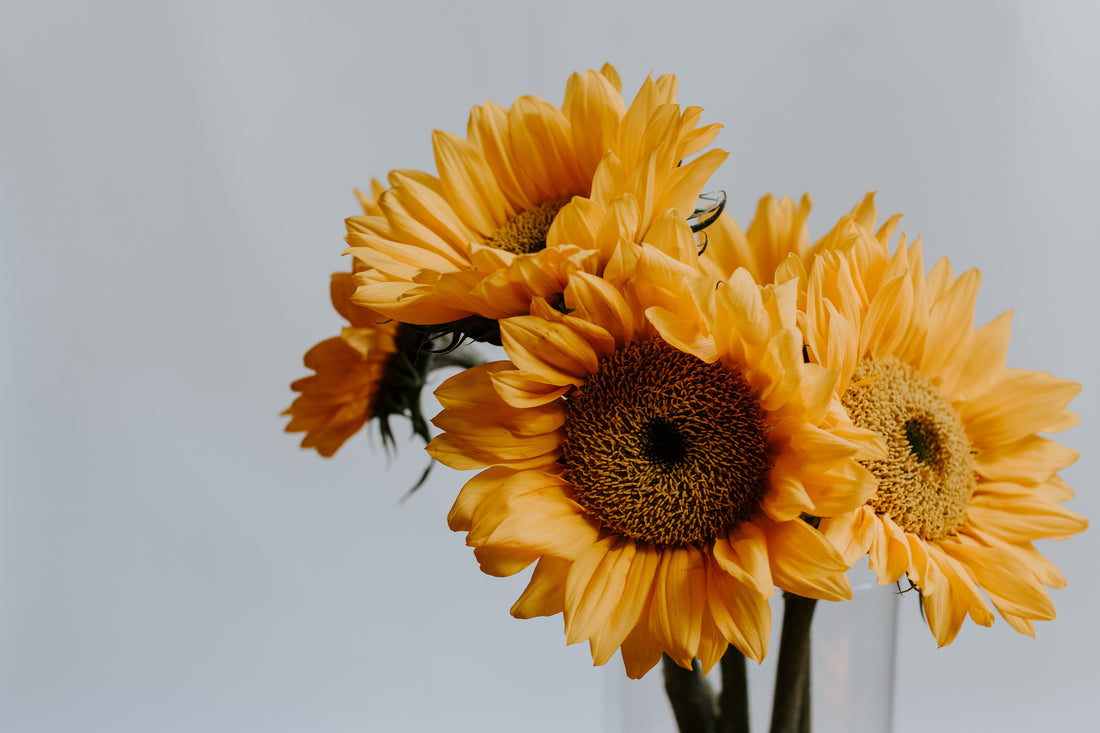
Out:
{"x": 173, "y": 179}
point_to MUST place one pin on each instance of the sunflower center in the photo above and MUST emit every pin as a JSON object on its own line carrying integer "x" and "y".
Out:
{"x": 927, "y": 480}
{"x": 525, "y": 232}
{"x": 663, "y": 442}
{"x": 664, "y": 448}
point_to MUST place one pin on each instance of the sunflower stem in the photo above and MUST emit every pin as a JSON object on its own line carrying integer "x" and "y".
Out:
{"x": 690, "y": 695}
{"x": 791, "y": 702}
{"x": 807, "y": 700}
{"x": 734, "y": 698}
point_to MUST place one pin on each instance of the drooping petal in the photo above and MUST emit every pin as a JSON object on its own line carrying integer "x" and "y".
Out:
{"x": 545, "y": 592}
{"x": 804, "y": 562}
{"x": 676, "y": 613}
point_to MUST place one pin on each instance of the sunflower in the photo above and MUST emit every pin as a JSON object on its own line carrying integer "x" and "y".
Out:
{"x": 371, "y": 370}
{"x": 777, "y": 246}
{"x": 777, "y": 231}
{"x": 483, "y": 238}
{"x": 968, "y": 484}
{"x": 340, "y": 397}
{"x": 658, "y": 481}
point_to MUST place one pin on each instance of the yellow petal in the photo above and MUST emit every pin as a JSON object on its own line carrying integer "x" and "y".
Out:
{"x": 683, "y": 333}
{"x": 595, "y": 586}
{"x": 676, "y": 613}
{"x": 672, "y": 235}
{"x": 501, "y": 562}
{"x": 633, "y": 605}
{"x": 552, "y": 351}
{"x": 1023, "y": 518}
{"x": 1022, "y": 402}
{"x": 712, "y": 642}
{"x": 1032, "y": 459}
{"x": 468, "y": 182}
{"x": 740, "y": 612}
{"x": 545, "y": 592}
{"x": 640, "y": 651}
{"x": 851, "y": 533}
{"x": 949, "y": 326}
{"x": 786, "y": 497}
{"x": 576, "y": 223}
{"x": 520, "y": 389}
{"x": 689, "y": 182}
{"x": 988, "y": 351}
{"x": 596, "y": 301}
{"x": 488, "y": 130}
{"x": 1012, "y": 591}
{"x": 535, "y": 519}
{"x": 620, "y": 222}
{"x": 743, "y": 555}
{"x": 474, "y": 493}
{"x": 803, "y": 561}
{"x": 485, "y": 434}
{"x": 543, "y": 149}
{"x": 594, "y": 109}
{"x": 421, "y": 214}
{"x": 889, "y": 551}
{"x": 945, "y": 616}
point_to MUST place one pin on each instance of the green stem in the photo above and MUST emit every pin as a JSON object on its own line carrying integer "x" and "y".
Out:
{"x": 792, "y": 678}
{"x": 690, "y": 696}
{"x": 734, "y": 698}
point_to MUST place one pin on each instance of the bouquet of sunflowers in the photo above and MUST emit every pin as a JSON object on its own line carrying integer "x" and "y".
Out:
{"x": 691, "y": 414}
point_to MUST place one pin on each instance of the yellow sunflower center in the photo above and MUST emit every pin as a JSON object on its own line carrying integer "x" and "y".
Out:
{"x": 926, "y": 483}
{"x": 662, "y": 447}
{"x": 525, "y": 232}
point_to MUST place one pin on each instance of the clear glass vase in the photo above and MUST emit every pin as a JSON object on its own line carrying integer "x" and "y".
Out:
{"x": 853, "y": 649}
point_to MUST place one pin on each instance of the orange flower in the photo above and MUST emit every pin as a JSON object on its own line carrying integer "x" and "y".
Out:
{"x": 968, "y": 483}
{"x": 361, "y": 374}
{"x": 340, "y": 397}
{"x": 658, "y": 480}
{"x": 516, "y": 205}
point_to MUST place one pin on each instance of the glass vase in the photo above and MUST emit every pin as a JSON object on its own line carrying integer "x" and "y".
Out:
{"x": 852, "y": 662}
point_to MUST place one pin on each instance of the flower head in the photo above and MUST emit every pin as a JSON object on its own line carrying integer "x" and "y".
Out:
{"x": 373, "y": 370}
{"x": 343, "y": 394}
{"x": 658, "y": 475}
{"x": 968, "y": 483}
{"x": 517, "y": 204}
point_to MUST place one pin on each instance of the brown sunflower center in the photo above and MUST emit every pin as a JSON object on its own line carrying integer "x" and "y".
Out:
{"x": 525, "y": 232}
{"x": 662, "y": 447}
{"x": 926, "y": 482}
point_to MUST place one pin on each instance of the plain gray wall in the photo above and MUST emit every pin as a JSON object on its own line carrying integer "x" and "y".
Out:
{"x": 173, "y": 180}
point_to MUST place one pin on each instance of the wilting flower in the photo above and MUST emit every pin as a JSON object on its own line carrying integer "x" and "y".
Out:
{"x": 511, "y": 211}
{"x": 968, "y": 483}
{"x": 373, "y": 370}
{"x": 341, "y": 396}
{"x": 660, "y": 493}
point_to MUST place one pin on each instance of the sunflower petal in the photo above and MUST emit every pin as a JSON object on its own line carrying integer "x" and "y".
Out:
{"x": 679, "y": 592}
{"x": 545, "y": 592}
{"x": 553, "y": 351}
{"x": 595, "y": 586}
{"x": 804, "y": 562}
{"x": 632, "y": 605}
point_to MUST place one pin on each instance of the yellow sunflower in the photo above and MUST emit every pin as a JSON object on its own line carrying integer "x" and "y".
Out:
{"x": 968, "y": 483}
{"x": 359, "y": 374}
{"x": 340, "y": 397}
{"x": 659, "y": 491}
{"x": 777, "y": 231}
{"x": 777, "y": 248}
{"x": 476, "y": 240}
